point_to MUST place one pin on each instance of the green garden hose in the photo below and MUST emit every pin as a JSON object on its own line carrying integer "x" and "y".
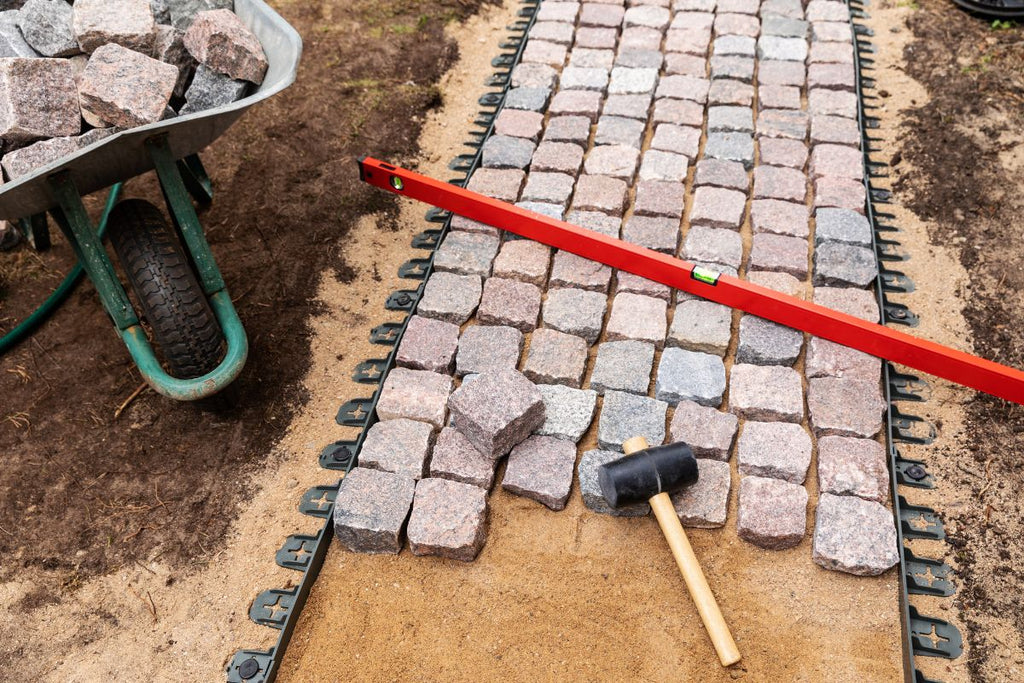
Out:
{"x": 29, "y": 324}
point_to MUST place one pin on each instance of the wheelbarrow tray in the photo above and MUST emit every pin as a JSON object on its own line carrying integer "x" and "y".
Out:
{"x": 124, "y": 155}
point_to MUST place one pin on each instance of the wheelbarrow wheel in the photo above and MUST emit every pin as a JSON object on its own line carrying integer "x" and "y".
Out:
{"x": 173, "y": 303}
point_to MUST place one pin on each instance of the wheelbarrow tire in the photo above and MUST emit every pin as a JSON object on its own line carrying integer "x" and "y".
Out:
{"x": 182, "y": 323}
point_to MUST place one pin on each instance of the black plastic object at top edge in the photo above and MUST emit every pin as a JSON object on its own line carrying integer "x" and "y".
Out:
{"x": 993, "y": 9}
{"x": 644, "y": 474}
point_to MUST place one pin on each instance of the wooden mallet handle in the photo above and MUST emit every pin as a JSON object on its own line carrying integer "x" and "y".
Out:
{"x": 701, "y": 593}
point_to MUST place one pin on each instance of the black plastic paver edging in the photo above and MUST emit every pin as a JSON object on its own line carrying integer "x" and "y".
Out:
{"x": 280, "y": 608}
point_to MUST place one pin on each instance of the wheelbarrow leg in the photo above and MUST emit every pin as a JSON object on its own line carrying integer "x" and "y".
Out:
{"x": 197, "y": 182}
{"x": 37, "y": 231}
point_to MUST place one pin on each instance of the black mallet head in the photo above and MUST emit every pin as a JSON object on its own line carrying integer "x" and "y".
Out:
{"x": 646, "y": 473}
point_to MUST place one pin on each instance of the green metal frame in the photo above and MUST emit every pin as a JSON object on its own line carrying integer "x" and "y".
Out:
{"x": 180, "y": 181}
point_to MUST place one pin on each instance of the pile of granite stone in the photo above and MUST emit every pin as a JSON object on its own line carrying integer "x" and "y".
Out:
{"x": 72, "y": 73}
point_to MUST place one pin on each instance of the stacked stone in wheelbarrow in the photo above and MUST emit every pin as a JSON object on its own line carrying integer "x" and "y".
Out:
{"x": 72, "y": 74}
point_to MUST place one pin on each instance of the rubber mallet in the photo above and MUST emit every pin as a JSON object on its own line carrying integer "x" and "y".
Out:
{"x": 651, "y": 474}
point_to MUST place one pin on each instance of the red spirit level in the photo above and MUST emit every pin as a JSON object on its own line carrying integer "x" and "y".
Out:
{"x": 872, "y": 338}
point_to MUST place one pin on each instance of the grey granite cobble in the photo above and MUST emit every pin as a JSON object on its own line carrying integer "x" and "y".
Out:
{"x": 600, "y": 193}
{"x": 679, "y": 112}
{"x": 570, "y": 270}
{"x": 707, "y": 431}
{"x": 854, "y": 536}
{"x": 625, "y": 415}
{"x": 569, "y": 412}
{"x": 782, "y": 49}
{"x": 691, "y": 376}
{"x": 719, "y": 173}
{"x": 370, "y": 510}
{"x": 714, "y": 245}
{"x": 401, "y": 446}
{"x": 705, "y": 503}
{"x": 637, "y": 317}
{"x": 731, "y": 147}
{"x": 549, "y": 188}
{"x": 619, "y": 130}
{"x": 840, "y": 193}
{"x": 841, "y": 225}
{"x": 590, "y": 488}
{"x": 853, "y": 467}
{"x": 556, "y": 358}
{"x": 700, "y": 325}
{"x": 639, "y": 59}
{"x": 575, "y": 311}
{"x": 487, "y": 348}
{"x": 416, "y": 395}
{"x": 503, "y": 151}
{"x": 568, "y": 129}
{"x": 623, "y": 366}
{"x": 428, "y": 344}
{"x": 734, "y": 45}
{"x": 455, "y": 458}
{"x": 730, "y": 119}
{"x": 46, "y": 26}
{"x": 466, "y": 253}
{"x": 841, "y": 264}
{"x": 628, "y": 106}
{"x": 597, "y": 221}
{"x": 449, "y": 519}
{"x": 844, "y": 406}
{"x": 541, "y": 468}
{"x": 625, "y": 81}
{"x": 450, "y": 297}
{"x": 527, "y": 99}
{"x": 779, "y": 450}
{"x": 660, "y": 165}
{"x": 524, "y": 260}
{"x": 780, "y": 253}
{"x": 659, "y": 234}
{"x": 785, "y": 27}
{"x": 772, "y": 512}
{"x": 497, "y": 410}
{"x": 717, "y": 207}
{"x": 659, "y": 198}
{"x": 509, "y": 302}
{"x": 780, "y": 218}
{"x": 762, "y": 342}
{"x": 766, "y": 393}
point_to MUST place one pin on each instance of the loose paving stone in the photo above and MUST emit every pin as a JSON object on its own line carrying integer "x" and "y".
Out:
{"x": 569, "y": 411}
{"x": 46, "y": 27}
{"x": 679, "y": 112}
{"x": 623, "y": 366}
{"x": 570, "y": 270}
{"x": 558, "y": 11}
{"x": 600, "y": 193}
{"x": 556, "y": 358}
{"x": 835, "y": 129}
{"x": 12, "y": 42}
{"x": 841, "y": 264}
{"x": 828, "y": 359}
{"x": 583, "y": 57}
{"x": 450, "y": 297}
{"x": 659, "y": 234}
{"x": 509, "y": 302}
{"x": 728, "y": 119}
{"x": 678, "y": 139}
{"x": 503, "y": 151}
{"x": 782, "y": 123}
{"x": 416, "y": 395}
{"x": 860, "y": 303}
{"x": 707, "y": 431}
{"x": 772, "y": 512}
{"x": 637, "y": 317}
{"x": 527, "y": 98}
{"x": 659, "y": 198}
{"x": 617, "y": 161}
{"x": 837, "y": 161}
{"x": 455, "y": 458}
{"x": 705, "y": 504}
{"x": 717, "y": 207}
{"x": 466, "y": 253}
{"x": 524, "y": 260}
{"x": 841, "y": 225}
{"x": 782, "y": 49}
{"x": 563, "y": 157}
{"x": 625, "y": 415}
{"x": 428, "y": 344}
{"x": 734, "y": 45}
{"x": 401, "y": 446}
{"x": 853, "y": 467}
{"x": 854, "y": 536}
{"x": 488, "y": 348}
{"x": 720, "y": 173}
{"x": 647, "y": 15}
{"x": 684, "y": 88}
{"x": 830, "y": 53}
{"x": 595, "y": 14}
{"x": 541, "y": 468}
{"x": 640, "y": 38}
{"x": 597, "y": 38}
{"x": 690, "y": 376}
{"x": 838, "y": 76}
{"x": 783, "y": 152}
{"x": 590, "y": 488}
{"x": 779, "y": 450}
{"x": 844, "y": 406}
{"x": 763, "y": 342}
{"x": 824, "y": 102}
{"x": 839, "y": 193}
{"x": 713, "y": 245}
{"x": 370, "y": 510}
{"x": 584, "y": 78}
{"x": 768, "y": 393}
{"x": 727, "y": 23}
{"x": 618, "y": 130}
{"x": 734, "y": 67}
{"x": 660, "y": 165}
{"x": 25, "y": 160}
{"x": 780, "y": 282}
{"x": 557, "y": 32}
{"x": 597, "y": 221}
{"x": 128, "y": 23}
{"x": 544, "y": 52}
{"x": 126, "y": 88}
{"x": 771, "y": 72}
{"x": 779, "y": 253}
{"x": 585, "y": 103}
{"x": 222, "y": 42}
{"x": 38, "y": 99}
{"x": 520, "y": 124}
{"x": 785, "y": 27}
{"x": 724, "y": 91}
{"x": 781, "y": 218}
{"x": 626, "y": 81}
{"x": 575, "y": 311}
{"x": 731, "y": 147}
{"x": 701, "y": 325}
{"x": 550, "y": 188}
{"x": 778, "y": 97}
{"x": 773, "y": 182}
{"x": 826, "y": 10}
{"x": 500, "y": 184}
{"x": 533, "y": 76}
{"x": 679, "y": 64}
{"x": 497, "y": 410}
{"x": 183, "y": 12}
{"x": 628, "y": 106}
{"x": 449, "y": 519}
{"x": 210, "y": 89}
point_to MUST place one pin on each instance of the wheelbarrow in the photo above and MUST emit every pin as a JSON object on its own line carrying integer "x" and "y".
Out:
{"x": 179, "y": 288}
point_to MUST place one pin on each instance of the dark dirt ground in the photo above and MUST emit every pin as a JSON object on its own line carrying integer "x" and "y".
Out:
{"x": 962, "y": 145}
{"x": 83, "y": 492}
